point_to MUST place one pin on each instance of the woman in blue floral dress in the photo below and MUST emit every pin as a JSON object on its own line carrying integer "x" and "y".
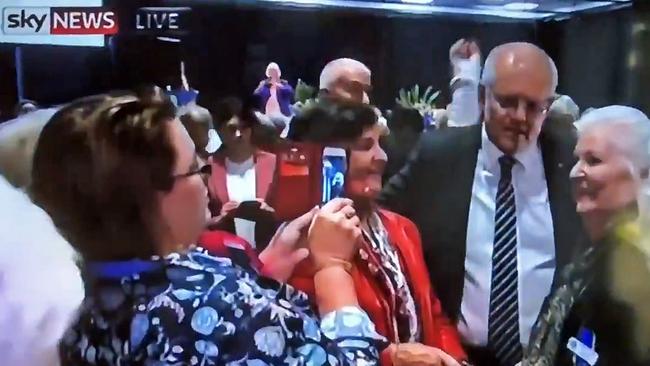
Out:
{"x": 121, "y": 180}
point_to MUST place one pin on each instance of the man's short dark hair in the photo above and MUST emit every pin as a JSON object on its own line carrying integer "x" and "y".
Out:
{"x": 403, "y": 118}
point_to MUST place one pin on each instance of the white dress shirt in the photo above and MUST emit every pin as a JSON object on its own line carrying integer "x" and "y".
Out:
{"x": 40, "y": 284}
{"x": 464, "y": 109}
{"x": 240, "y": 182}
{"x": 535, "y": 241}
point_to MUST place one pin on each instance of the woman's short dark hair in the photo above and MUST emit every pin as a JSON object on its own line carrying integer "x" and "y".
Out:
{"x": 98, "y": 166}
{"x": 403, "y": 118}
{"x": 332, "y": 121}
{"x": 225, "y": 109}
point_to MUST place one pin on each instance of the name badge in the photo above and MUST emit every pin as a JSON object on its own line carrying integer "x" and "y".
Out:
{"x": 583, "y": 349}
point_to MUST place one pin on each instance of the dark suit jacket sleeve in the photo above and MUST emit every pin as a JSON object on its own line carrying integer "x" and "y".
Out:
{"x": 446, "y": 334}
{"x": 397, "y": 194}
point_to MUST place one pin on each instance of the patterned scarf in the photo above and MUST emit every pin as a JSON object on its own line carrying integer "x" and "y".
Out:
{"x": 394, "y": 278}
{"x": 546, "y": 334}
{"x": 575, "y": 279}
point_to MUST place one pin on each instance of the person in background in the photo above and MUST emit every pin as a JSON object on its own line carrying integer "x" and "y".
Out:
{"x": 602, "y": 299}
{"x": 345, "y": 79}
{"x": 40, "y": 283}
{"x": 131, "y": 199}
{"x": 275, "y": 94}
{"x": 198, "y": 123}
{"x": 274, "y": 98}
{"x": 465, "y": 59}
{"x": 268, "y": 134}
{"x": 564, "y": 109}
{"x": 493, "y": 203}
{"x": 389, "y": 272}
{"x": 405, "y": 126}
{"x": 241, "y": 172}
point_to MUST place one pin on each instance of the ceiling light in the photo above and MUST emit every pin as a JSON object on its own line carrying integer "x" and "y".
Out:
{"x": 417, "y": 1}
{"x": 518, "y": 6}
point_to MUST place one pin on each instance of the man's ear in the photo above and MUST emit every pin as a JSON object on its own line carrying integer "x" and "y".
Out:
{"x": 323, "y": 93}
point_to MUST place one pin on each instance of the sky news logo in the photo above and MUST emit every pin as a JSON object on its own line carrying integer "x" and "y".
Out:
{"x": 58, "y": 20}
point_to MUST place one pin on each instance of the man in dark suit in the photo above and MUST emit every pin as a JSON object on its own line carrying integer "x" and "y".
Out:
{"x": 494, "y": 206}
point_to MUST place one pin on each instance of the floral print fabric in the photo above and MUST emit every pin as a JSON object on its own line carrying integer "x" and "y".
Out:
{"x": 196, "y": 309}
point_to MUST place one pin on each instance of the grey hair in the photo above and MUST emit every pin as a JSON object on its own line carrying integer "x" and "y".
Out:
{"x": 332, "y": 70}
{"x": 271, "y": 66}
{"x": 488, "y": 77}
{"x": 18, "y": 139}
{"x": 636, "y": 143}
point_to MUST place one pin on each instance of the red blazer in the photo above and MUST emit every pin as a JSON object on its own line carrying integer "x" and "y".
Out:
{"x": 264, "y": 173}
{"x": 437, "y": 330}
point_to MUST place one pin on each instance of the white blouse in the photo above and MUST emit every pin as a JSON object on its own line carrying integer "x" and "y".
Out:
{"x": 240, "y": 182}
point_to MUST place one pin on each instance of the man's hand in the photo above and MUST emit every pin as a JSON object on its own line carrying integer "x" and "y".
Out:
{"x": 459, "y": 51}
{"x": 287, "y": 249}
{"x": 463, "y": 52}
{"x": 417, "y": 354}
{"x": 264, "y": 206}
{"x": 229, "y": 208}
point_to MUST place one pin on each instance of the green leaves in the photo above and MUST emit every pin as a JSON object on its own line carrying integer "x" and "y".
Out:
{"x": 411, "y": 98}
{"x": 303, "y": 92}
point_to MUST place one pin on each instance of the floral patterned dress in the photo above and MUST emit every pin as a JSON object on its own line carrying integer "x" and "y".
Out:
{"x": 196, "y": 309}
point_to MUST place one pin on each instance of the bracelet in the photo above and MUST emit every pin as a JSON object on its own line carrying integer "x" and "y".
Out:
{"x": 337, "y": 262}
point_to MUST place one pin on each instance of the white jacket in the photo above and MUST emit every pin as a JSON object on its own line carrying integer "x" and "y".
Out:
{"x": 40, "y": 285}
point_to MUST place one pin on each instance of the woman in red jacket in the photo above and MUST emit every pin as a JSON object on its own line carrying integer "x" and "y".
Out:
{"x": 390, "y": 275}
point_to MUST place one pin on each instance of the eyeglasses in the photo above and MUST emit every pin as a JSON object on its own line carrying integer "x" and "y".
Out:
{"x": 533, "y": 109}
{"x": 205, "y": 171}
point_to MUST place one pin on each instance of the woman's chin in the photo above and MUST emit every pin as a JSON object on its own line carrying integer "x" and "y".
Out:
{"x": 368, "y": 188}
{"x": 585, "y": 207}
{"x": 374, "y": 184}
{"x": 368, "y": 193}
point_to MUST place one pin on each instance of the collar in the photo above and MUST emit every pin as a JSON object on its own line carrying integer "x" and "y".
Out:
{"x": 528, "y": 157}
{"x": 120, "y": 269}
{"x": 241, "y": 166}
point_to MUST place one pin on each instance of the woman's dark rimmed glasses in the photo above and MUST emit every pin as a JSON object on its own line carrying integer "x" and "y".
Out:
{"x": 204, "y": 171}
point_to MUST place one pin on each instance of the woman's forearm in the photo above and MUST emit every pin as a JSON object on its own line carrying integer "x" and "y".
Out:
{"x": 334, "y": 289}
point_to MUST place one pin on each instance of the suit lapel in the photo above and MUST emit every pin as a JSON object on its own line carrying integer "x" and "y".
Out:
{"x": 446, "y": 230}
{"x": 459, "y": 201}
{"x": 264, "y": 172}
{"x": 217, "y": 181}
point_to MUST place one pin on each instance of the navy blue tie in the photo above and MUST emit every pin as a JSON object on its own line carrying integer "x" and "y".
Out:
{"x": 503, "y": 322}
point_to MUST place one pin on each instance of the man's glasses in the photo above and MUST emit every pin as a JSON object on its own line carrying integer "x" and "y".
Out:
{"x": 533, "y": 109}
